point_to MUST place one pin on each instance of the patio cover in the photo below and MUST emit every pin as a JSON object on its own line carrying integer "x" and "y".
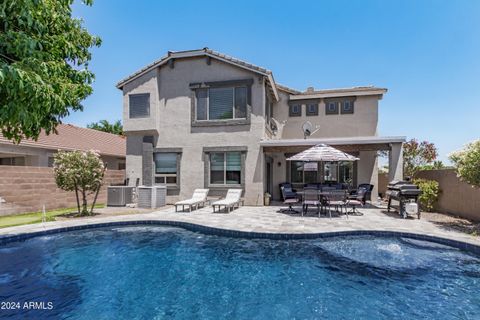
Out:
{"x": 322, "y": 152}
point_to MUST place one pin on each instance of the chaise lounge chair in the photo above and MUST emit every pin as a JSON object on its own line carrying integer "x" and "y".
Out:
{"x": 199, "y": 197}
{"x": 232, "y": 199}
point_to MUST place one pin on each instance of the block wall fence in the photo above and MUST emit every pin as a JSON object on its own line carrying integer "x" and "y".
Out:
{"x": 29, "y": 188}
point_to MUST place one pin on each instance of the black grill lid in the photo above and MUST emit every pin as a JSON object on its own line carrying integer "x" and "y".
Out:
{"x": 402, "y": 185}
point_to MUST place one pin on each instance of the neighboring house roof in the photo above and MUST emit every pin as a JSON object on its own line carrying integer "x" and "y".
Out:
{"x": 70, "y": 137}
{"x": 203, "y": 52}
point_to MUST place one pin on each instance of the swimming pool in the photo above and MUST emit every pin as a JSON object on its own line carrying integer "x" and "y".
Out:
{"x": 158, "y": 272}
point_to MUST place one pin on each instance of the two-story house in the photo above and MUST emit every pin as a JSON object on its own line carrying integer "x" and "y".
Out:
{"x": 198, "y": 118}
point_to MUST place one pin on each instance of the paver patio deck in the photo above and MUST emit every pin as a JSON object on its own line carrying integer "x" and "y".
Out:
{"x": 266, "y": 220}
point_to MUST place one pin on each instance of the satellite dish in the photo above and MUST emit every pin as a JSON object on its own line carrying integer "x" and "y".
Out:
{"x": 308, "y": 129}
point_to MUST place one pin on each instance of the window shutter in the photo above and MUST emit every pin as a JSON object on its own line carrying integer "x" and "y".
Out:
{"x": 220, "y": 103}
{"x": 139, "y": 105}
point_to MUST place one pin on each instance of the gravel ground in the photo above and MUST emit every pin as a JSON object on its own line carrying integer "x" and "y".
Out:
{"x": 452, "y": 222}
{"x": 447, "y": 221}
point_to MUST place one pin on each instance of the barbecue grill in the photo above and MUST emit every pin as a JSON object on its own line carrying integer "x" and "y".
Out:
{"x": 406, "y": 194}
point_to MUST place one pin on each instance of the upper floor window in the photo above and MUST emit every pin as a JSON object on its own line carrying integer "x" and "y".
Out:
{"x": 331, "y": 107}
{"x": 339, "y": 105}
{"x": 312, "y": 109}
{"x": 295, "y": 110}
{"x": 166, "y": 164}
{"x": 347, "y": 106}
{"x": 222, "y": 103}
{"x": 139, "y": 105}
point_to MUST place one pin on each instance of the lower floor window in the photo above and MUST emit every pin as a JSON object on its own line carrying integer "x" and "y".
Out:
{"x": 165, "y": 168}
{"x": 225, "y": 168}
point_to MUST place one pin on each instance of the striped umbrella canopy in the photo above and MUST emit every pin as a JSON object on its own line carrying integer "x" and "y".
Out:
{"x": 322, "y": 152}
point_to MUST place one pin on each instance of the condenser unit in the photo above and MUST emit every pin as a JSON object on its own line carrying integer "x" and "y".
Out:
{"x": 151, "y": 196}
{"x": 119, "y": 196}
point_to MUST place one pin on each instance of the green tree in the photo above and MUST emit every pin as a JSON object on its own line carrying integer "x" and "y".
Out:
{"x": 105, "y": 126}
{"x": 82, "y": 172}
{"x": 417, "y": 155}
{"x": 44, "y": 75}
{"x": 467, "y": 163}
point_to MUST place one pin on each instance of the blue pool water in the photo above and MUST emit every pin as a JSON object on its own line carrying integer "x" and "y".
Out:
{"x": 155, "y": 272}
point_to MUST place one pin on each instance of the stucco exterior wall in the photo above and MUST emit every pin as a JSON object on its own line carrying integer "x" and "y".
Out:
{"x": 35, "y": 157}
{"x": 144, "y": 84}
{"x": 170, "y": 99}
{"x": 363, "y": 122}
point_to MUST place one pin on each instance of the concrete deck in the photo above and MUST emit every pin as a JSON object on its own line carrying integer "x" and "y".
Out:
{"x": 266, "y": 220}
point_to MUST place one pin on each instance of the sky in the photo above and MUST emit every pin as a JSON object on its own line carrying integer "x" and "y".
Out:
{"x": 427, "y": 53}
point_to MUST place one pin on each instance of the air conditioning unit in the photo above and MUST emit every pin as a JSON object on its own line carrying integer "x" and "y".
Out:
{"x": 119, "y": 196}
{"x": 151, "y": 196}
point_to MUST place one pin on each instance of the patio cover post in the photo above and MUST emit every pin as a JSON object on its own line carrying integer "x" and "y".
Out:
{"x": 395, "y": 162}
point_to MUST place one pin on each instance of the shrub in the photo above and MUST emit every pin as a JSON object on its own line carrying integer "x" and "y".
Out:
{"x": 467, "y": 163}
{"x": 79, "y": 171}
{"x": 430, "y": 190}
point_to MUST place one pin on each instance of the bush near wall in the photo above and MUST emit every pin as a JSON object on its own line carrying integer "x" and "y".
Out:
{"x": 456, "y": 197}
{"x": 430, "y": 190}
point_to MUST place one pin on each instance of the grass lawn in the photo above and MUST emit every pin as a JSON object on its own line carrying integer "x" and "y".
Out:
{"x": 35, "y": 217}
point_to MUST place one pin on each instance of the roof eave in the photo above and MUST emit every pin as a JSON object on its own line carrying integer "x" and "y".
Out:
{"x": 370, "y": 92}
{"x": 332, "y": 141}
{"x": 190, "y": 54}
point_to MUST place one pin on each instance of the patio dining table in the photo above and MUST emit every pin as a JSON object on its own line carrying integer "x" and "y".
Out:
{"x": 323, "y": 198}
{"x": 320, "y": 192}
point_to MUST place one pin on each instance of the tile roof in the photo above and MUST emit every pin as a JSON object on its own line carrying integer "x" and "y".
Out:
{"x": 70, "y": 137}
{"x": 198, "y": 53}
{"x": 288, "y": 89}
{"x": 192, "y": 53}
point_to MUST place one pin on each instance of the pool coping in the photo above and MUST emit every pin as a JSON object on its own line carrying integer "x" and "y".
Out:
{"x": 466, "y": 246}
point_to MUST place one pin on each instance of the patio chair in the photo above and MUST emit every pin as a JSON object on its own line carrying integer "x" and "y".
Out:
{"x": 310, "y": 198}
{"x": 356, "y": 202}
{"x": 232, "y": 199}
{"x": 289, "y": 191}
{"x": 336, "y": 199}
{"x": 289, "y": 198}
{"x": 198, "y": 198}
{"x": 366, "y": 195}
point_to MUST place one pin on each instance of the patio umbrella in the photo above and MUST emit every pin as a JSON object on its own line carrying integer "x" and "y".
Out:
{"x": 322, "y": 152}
